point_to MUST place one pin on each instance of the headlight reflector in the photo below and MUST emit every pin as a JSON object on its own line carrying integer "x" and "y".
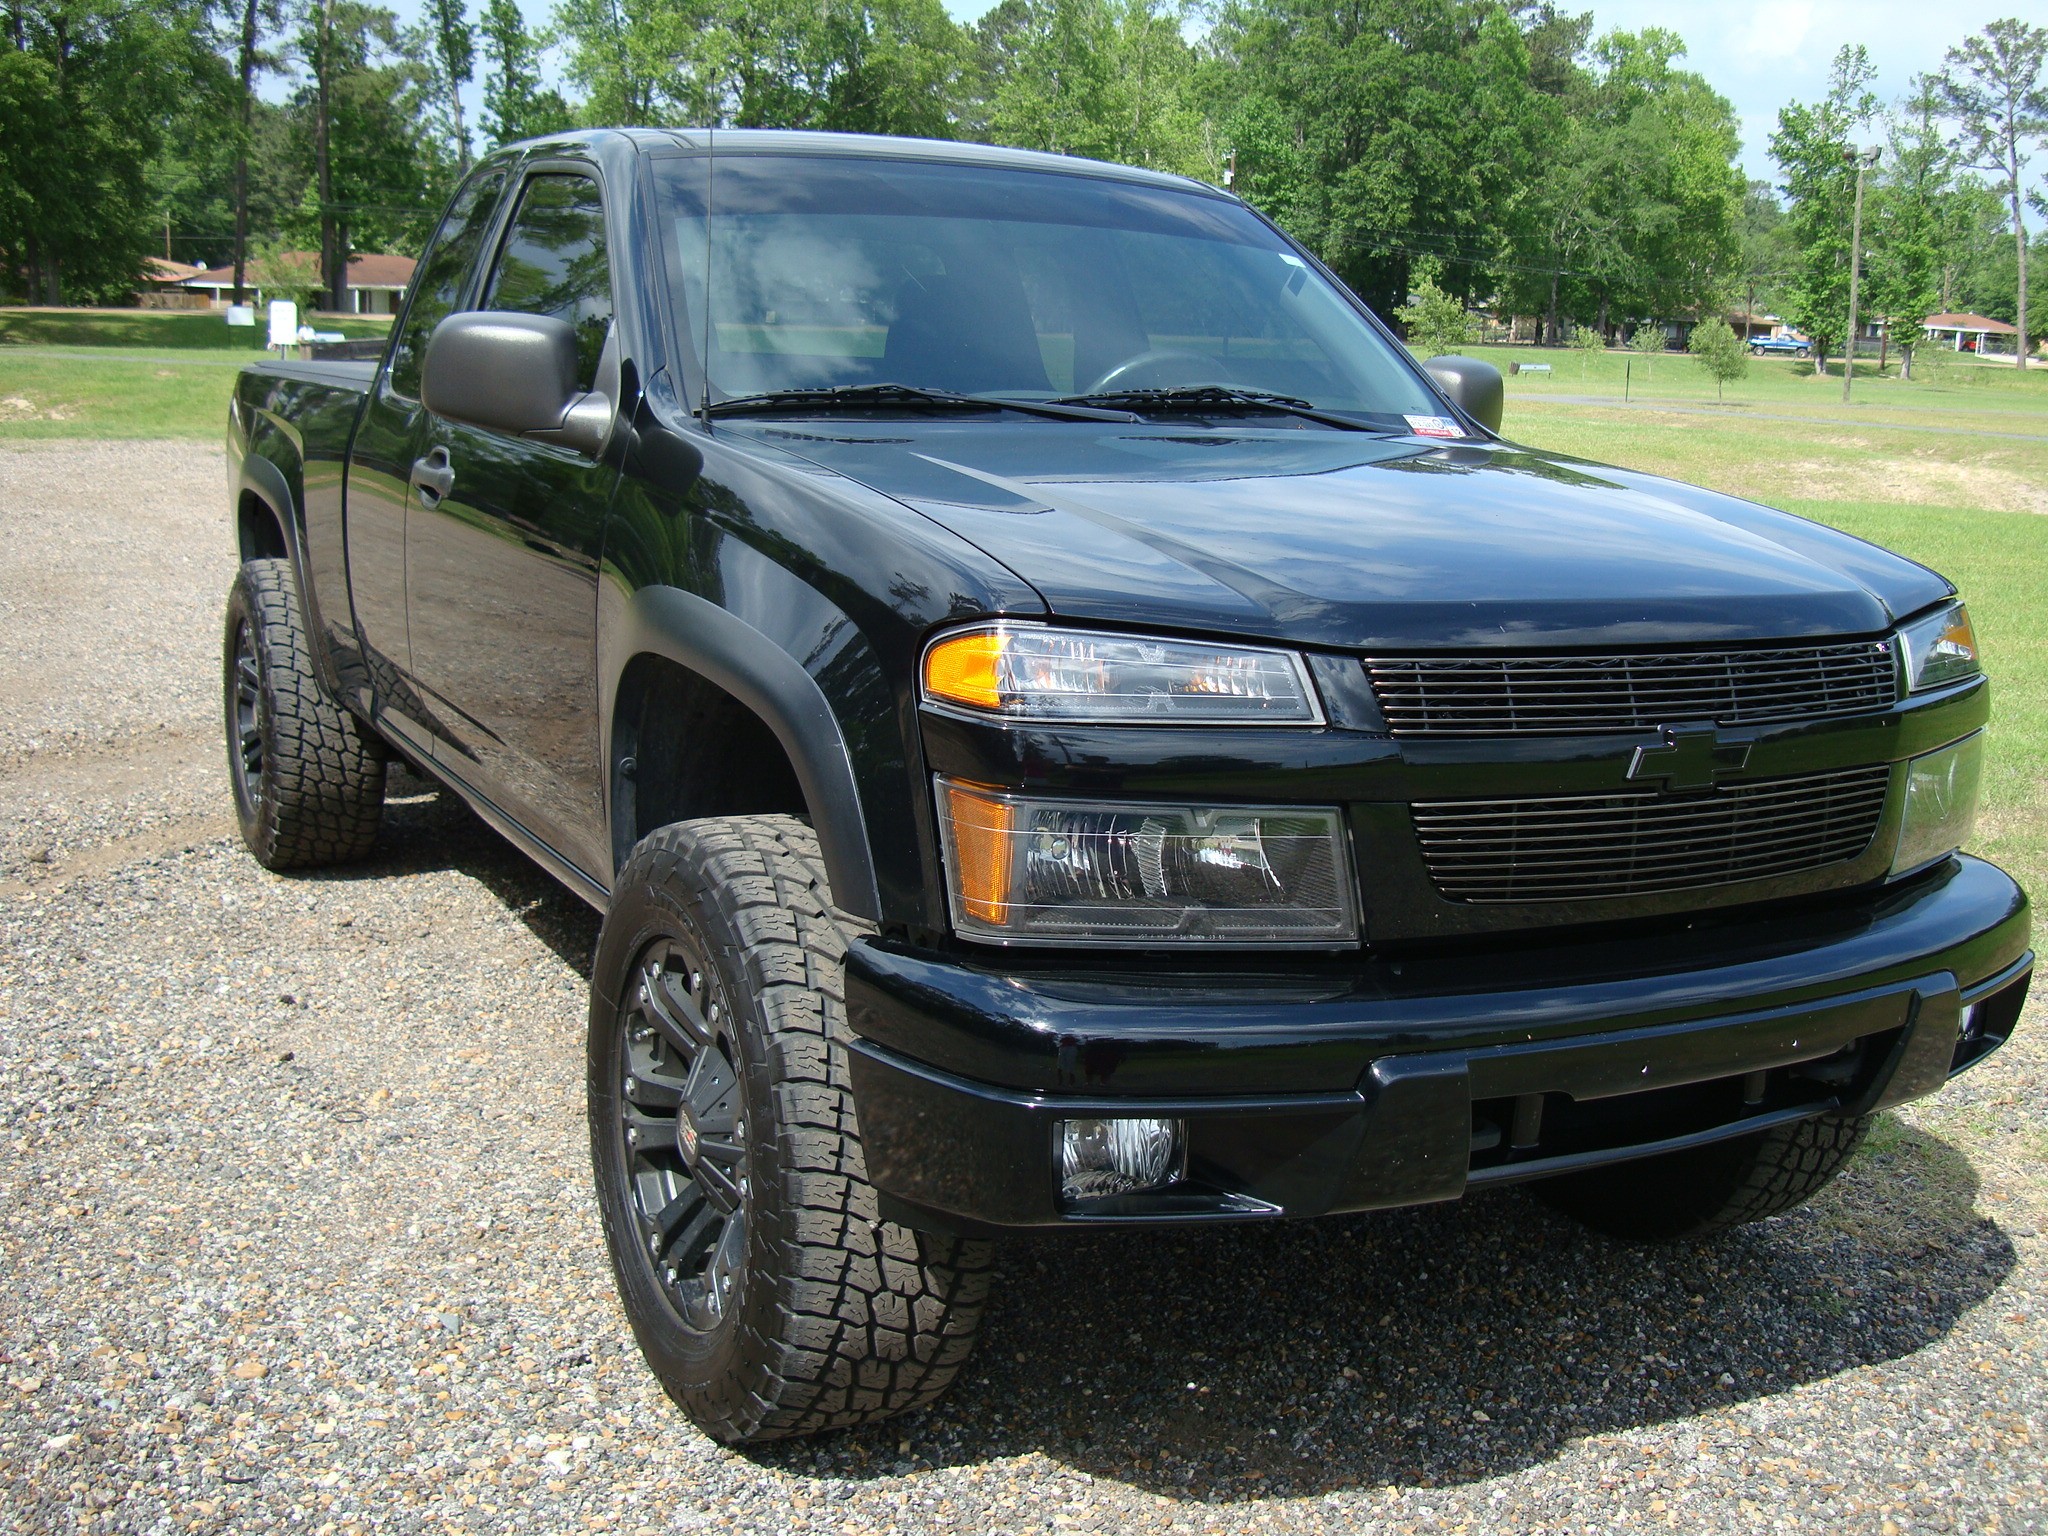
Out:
{"x": 1940, "y": 649}
{"x": 1026, "y": 871}
{"x": 1032, "y": 672}
{"x": 1941, "y": 803}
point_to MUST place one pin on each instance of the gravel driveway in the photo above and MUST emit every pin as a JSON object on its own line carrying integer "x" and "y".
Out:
{"x": 299, "y": 1235}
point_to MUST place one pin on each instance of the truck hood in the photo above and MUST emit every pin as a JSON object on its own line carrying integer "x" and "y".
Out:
{"x": 1355, "y": 541}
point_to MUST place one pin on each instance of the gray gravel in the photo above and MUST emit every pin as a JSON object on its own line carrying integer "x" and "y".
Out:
{"x": 298, "y": 1232}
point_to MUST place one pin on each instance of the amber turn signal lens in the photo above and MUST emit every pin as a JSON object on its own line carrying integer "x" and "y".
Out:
{"x": 966, "y": 669}
{"x": 981, "y": 827}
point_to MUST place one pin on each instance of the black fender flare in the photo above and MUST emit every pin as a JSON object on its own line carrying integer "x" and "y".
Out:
{"x": 717, "y": 644}
{"x": 260, "y": 477}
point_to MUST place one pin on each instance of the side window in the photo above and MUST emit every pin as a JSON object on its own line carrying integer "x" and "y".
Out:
{"x": 554, "y": 262}
{"x": 438, "y": 279}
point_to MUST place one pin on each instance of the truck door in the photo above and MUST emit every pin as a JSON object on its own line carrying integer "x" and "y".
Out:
{"x": 380, "y": 463}
{"x": 502, "y": 550}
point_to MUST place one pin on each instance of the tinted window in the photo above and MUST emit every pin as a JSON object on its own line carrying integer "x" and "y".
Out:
{"x": 554, "y": 262}
{"x": 450, "y": 256}
{"x": 996, "y": 280}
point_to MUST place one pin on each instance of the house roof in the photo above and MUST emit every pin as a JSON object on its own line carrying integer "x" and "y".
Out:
{"x": 157, "y": 269}
{"x": 366, "y": 269}
{"x": 1969, "y": 323}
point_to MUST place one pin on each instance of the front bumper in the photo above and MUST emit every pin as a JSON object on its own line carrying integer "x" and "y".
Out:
{"x": 1397, "y": 1082}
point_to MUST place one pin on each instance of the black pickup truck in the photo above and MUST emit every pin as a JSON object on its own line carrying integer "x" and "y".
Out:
{"x": 1069, "y": 725}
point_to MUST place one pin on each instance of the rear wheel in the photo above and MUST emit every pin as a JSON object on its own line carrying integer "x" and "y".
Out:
{"x": 761, "y": 1283}
{"x": 1710, "y": 1189}
{"x": 308, "y": 777}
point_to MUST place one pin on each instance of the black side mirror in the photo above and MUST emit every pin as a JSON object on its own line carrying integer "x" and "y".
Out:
{"x": 516, "y": 374}
{"x": 1474, "y": 387}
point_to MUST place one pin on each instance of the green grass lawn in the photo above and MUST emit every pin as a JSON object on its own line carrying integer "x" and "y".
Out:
{"x": 48, "y": 392}
{"x": 156, "y": 329}
{"x": 128, "y": 372}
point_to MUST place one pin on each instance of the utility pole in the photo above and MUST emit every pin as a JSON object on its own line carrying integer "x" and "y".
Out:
{"x": 1863, "y": 161}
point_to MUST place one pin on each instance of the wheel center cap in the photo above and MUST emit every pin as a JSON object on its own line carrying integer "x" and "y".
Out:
{"x": 687, "y": 1137}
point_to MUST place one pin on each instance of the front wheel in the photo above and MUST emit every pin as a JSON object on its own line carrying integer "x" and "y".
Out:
{"x": 763, "y": 1287}
{"x": 1712, "y": 1188}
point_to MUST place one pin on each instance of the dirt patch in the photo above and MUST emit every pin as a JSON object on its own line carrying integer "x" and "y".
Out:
{"x": 1918, "y": 478}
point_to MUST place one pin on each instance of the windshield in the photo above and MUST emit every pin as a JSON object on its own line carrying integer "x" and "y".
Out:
{"x": 824, "y": 272}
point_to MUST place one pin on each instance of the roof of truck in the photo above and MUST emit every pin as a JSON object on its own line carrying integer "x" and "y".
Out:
{"x": 792, "y": 141}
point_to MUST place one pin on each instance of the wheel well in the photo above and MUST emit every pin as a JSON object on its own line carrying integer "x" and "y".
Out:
{"x": 257, "y": 531}
{"x": 683, "y": 747}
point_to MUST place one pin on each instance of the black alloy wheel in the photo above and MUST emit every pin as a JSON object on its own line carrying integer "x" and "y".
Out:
{"x": 682, "y": 1131}
{"x": 765, "y": 1289}
{"x": 245, "y": 717}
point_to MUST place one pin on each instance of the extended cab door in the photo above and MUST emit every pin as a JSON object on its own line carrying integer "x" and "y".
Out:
{"x": 380, "y": 462}
{"x": 502, "y": 549}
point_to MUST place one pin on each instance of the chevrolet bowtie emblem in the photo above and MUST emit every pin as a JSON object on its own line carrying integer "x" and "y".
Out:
{"x": 1692, "y": 757}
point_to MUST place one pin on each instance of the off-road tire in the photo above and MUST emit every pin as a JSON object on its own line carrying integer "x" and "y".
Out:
{"x": 1709, "y": 1189}
{"x": 315, "y": 792}
{"x": 837, "y": 1317}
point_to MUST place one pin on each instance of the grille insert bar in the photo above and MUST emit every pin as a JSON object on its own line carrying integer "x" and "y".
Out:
{"x": 1526, "y": 695}
{"x": 1635, "y": 842}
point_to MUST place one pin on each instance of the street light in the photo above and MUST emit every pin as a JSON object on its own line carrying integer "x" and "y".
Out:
{"x": 1863, "y": 160}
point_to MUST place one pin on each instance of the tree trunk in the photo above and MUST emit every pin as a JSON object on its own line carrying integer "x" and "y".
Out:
{"x": 333, "y": 258}
{"x": 461, "y": 133}
{"x": 248, "y": 62}
{"x": 1820, "y": 360}
{"x": 1884, "y": 344}
{"x": 1605, "y": 338}
{"x": 1555, "y": 338}
{"x": 2019, "y": 225}
{"x": 1905, "y": 362}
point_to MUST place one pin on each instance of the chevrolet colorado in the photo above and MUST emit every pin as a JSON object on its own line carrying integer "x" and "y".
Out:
{"x": 1068, "y": 725}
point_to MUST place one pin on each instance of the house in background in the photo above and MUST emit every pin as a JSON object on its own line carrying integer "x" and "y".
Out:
{"x": 1972, "y": 333}
{"x": 376, "y": 284}
{"x": 163, "y": 285}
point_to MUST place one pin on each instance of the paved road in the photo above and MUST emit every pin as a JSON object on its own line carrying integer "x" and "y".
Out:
{"x": 296, "y": 1230}
{"x": 1741, "y": 413}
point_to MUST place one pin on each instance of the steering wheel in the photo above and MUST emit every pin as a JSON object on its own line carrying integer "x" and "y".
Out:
{"x": 1131, "y": 372}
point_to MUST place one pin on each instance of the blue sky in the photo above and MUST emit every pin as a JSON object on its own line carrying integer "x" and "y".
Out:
{"x": 1760, "y": 54}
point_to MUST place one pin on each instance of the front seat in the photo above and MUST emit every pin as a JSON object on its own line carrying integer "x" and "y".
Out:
{"x": 966, "y": 329}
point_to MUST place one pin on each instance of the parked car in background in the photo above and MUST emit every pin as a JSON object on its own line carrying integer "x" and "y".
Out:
{"x": 1780, "y": 346}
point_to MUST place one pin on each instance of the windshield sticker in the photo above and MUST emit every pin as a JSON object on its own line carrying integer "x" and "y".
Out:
{"x": 1434, "y": 426}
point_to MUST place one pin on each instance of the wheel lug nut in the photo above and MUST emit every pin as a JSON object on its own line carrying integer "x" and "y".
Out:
{"x": 632, "y": 1135}
{"x": 654, "y": 1244}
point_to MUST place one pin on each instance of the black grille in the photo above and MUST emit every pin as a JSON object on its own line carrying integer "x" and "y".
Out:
{"x": 1571, "y": 695}
{"x": 1584, "y": 847}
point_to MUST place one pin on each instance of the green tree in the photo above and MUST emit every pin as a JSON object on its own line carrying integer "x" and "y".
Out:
{"x": 1108, "y": 79}
{"x": 1646, "y": 342}
{"x": 375, "y": 182}
{"x": 858, "y": 66}
{"x": 1910, "y": 218}
{"x": 450, "y": 49}
{"x": 1637, "y": 207}
{"x": 86, "y": 88}
{"x": 1813, "y": 147}
{"x": 1992, "y": 87}
{"x": 1381, "y": 130}
{"x": 516, "y": 105}
{"x": 1767, "y": 255}
{"x": 1716, "y": 348}
{"x": 1589, "y": 342}
{"x": 1436, "y": 322}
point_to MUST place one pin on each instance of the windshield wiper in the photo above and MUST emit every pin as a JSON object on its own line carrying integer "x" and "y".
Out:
{"x": 868, "y": 396}
{"x": 1199, "y": 399}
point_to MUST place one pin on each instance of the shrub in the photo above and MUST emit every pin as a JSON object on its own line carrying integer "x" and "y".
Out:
{"x": 1716, "y": 348}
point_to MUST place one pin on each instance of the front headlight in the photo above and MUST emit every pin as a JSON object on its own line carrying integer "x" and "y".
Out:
{"x": 1032, "y": 672}
{"x": 1940, "y": 649}
{"x": 1029, "y": 871}
{"x": 1941, "y": 803}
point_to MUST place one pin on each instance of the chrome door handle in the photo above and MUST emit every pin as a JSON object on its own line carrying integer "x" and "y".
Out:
{"x": 433, "y": 477}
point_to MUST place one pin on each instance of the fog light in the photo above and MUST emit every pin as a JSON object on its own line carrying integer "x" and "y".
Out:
{"x": 1972, "y": 1022}
{"x": 1116, "y": 1157}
